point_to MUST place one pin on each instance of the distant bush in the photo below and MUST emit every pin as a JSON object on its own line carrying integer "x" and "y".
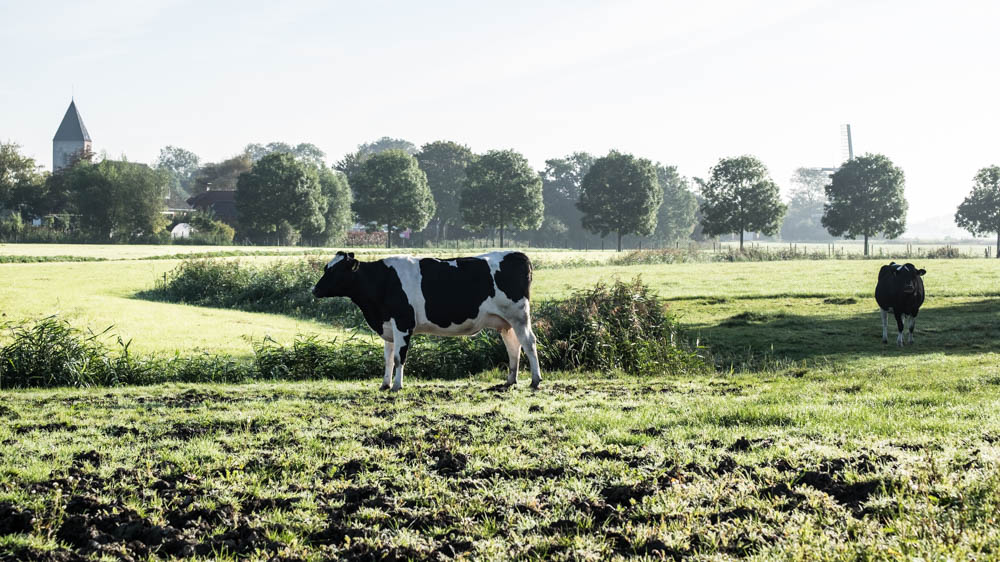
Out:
{"x": 356, "y": 239}
{"x": 648, "y": 257}
{"x": 946, "y": 252}
{"x": 282, "y": 287}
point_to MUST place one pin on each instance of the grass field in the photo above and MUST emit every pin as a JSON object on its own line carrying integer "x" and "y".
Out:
{"x": 813, "y": 440}
{"x": 101, "y": 294}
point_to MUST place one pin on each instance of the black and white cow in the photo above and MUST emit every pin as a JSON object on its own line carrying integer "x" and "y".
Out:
{"x": 900, "y": 290}
{"x": 405, "y": 295}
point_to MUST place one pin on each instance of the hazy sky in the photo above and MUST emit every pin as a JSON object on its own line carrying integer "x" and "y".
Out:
{"x": 682, "y": 83}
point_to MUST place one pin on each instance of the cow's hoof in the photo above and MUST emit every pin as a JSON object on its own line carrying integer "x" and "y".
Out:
{"x": 384, "y": 387}
{"x": 396, "y": 389}
{"x": 534, "y": 385}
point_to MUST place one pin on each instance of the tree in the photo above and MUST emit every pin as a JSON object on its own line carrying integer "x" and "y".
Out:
{"x": 279, "y": 199}
{"x": 352, "y": 162}
{"x": 390, "y": 189}
{"x": 337, "y": 218}
{"x": 805, "y": 206}
{"x": 445, "y": 162}
{"x": 865, "y": 198}
{"x": 561, "y": 181}
{"x": 675, "y": 220}
{"x": 305, "y": 152}
{"x": 21, "y": 181}
{"x": 741, "y": 197}
{"x": 181, "y": 165}
{"x": 979, "y": 213}
{"x": 620, "y": 193}
{"x": 118, "y": 200}
{"x": 502, "y": 190}
{"x": 222, "y": 176}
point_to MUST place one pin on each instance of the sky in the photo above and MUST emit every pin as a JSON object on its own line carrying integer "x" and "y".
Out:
{"x": 682, "y": 83}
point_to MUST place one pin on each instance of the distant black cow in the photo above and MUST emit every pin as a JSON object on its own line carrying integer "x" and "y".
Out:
{"x": 900, "y": 290}
{"x": 404, "y": 295}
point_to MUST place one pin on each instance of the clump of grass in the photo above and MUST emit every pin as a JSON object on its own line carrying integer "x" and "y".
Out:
{"x": 622, "y": 325}
{"x": 429, "y": 358}
{"x": 51, "y": 352}
{"x": 753, "y": 317}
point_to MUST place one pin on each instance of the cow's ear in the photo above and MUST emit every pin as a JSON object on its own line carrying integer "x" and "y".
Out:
{"x": 355, "y": 265}
{"x": 921, "y": 272}
{"x": 350, "y": 255}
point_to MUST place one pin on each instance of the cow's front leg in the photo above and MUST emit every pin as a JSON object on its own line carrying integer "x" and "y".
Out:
{"x": 401, "y": 344}
{"x": 913, "y": 324}
{"x": 387, "y": 379}
{"x": 885, "y": 325}
{"x": 513, "y": 353}
{"x": 899, "y": 328}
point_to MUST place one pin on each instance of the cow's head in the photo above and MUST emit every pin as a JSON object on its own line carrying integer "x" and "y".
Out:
{"x": 906, "y": 276}
{"x": 337, "y": 276}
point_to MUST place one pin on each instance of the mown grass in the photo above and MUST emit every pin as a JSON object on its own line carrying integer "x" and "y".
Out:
{"x": 97, "y": 295}
{"x": 823, "y": 466}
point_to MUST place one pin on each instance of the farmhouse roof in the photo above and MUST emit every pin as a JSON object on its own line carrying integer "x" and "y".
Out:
{"x": 72, "y": 127}
{"x": 206, "y": 198}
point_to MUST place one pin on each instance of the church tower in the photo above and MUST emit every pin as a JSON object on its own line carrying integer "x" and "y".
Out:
{"x": 71, "y": 139}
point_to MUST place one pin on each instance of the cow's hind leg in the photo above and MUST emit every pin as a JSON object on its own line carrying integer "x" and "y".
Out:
{"x": 387, "y": 379}
{"x": 513, "y": 346}
{"x": 401, "y": 344}
{"x": 899, "y": 329}
{"x": 885, "y": 325}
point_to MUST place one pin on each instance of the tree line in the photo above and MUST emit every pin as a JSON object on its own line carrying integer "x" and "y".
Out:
{"x": 286, "y": 194}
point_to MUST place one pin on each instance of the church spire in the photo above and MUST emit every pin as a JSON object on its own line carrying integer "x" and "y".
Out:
{"x": 72, "y": 127}
{"x": 72, "y": 141}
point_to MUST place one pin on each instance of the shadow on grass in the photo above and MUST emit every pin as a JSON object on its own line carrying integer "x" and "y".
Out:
{"x": 752, "y": 338}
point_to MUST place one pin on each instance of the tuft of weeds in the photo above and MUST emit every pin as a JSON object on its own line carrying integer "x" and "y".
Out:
{"x": 53, "y": 353}
{"x": 619, "y": 326}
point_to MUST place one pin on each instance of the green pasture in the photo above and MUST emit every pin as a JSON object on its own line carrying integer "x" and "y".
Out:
{"x": 746, "y": 312}
{"x": 811, "y": 441}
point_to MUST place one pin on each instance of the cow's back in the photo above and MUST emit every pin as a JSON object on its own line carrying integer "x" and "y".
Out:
{"x": 446, "y": 294}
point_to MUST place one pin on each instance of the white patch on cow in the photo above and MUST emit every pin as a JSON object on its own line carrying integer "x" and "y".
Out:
{"x": 453, "y": 263}
{"x": 900, "y": 267}
{"x": 336, "y": 259}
